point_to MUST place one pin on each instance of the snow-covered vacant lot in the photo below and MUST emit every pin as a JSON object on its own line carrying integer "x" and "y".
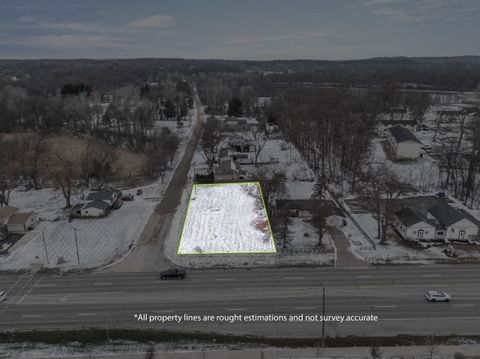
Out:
{"x": 226, "y": 218}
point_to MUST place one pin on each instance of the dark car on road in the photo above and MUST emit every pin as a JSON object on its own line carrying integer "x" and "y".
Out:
{"x": 172, "y": 273}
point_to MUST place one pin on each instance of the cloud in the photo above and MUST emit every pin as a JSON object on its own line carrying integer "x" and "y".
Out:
{"x": 29, "y": 18}
{"x": 152, "y": 22}
{"x": 409, "y": 11}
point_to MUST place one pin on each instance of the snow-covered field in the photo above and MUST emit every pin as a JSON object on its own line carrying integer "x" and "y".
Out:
{"x": 100, "y": 241}
{"x": 302, "y": 250}
{"x": 227, "y": 219}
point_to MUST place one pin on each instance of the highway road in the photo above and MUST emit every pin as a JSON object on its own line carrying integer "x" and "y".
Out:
{"x": 393, "y": 293}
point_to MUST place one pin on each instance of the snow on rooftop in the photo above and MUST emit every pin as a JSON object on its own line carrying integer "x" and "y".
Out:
{"x": 226, "y": 219}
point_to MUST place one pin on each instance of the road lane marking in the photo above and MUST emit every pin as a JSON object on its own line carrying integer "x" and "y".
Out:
{"x": 46, "y": 285}
{"x": 362, "y": 276}
{"x": 103, "y": 283}
{"x": 430, "y": 275}
{"x": 225, "y": 279}
{"x": 29, "y": 291}
{"x": 87, "y": 314}
{"x": 368, "y": 286}
{"x": 31, "y": 315}
{"x": 463, "y": 305}
{"x": 385, "y": 306}
{"x": 293, "y": 278}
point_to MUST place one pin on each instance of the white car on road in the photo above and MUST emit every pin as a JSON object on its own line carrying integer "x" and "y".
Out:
{"x": 3, "y": 296}
{"x": 437, "y": 296}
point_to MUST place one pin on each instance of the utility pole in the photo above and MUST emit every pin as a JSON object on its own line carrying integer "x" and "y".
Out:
{"x": 76, "y": 244}
{"x": 323, "y": 321}
{"x": 45, "y": 247}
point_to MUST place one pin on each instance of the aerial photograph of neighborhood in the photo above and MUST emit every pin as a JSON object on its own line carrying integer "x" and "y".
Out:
{"x": 260, "y": 179}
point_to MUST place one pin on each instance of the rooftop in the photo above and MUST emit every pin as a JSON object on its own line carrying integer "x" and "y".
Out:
{"x": 401, "y": 134}
{"x": 19, "y": 218}
{"x": 445, "y": 214}
{"x": 97, "y": 204}
{"x": 325, "y": 207}
{"x": 103, "y": 195}
{"x": 7, "y": 211}
{"x": 410, "y": 216}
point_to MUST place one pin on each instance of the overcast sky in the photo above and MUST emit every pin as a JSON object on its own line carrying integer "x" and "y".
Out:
{"x": 238, "y": 29}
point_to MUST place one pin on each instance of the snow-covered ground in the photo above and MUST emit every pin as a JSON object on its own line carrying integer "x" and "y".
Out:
{"x": 227, "y": 219}
{"x": 423, "y": 173}
{"x": 301, "y": 251}
{"x": 395, "y": 251}
{"x": 100, "y": 241}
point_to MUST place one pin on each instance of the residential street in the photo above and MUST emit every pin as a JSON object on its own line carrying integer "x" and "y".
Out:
{"x": 147, "y": 255}
{"x": 395, "y": 294}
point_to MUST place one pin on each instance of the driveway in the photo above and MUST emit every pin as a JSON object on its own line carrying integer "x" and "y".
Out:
{"x": 344, "y": 257}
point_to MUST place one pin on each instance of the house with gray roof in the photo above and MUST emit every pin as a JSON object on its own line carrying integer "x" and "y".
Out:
{"x": 457, "y": 225}
{"x": 304, "y": 207}
{"x": 412, "y": 225}
{"x": 402, "y": 143}
{"x": 441, "y": 222}
{"x": 111, "y": 196}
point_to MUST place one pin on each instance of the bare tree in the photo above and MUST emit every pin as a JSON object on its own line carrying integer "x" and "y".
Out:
{"x": 9, "y": 173}
{"x": 159, "y": 162}
{"x": 259, "y": 140}
{"x": 32, "y": 155}
{"x": 382, "y": 186}
{"x": 281, "y": 222}
{"x": 64, "y": 170}
{"x": 209, "y": 140}
{"x": 320, "y": 225}
{"x": 97, "y": 162}
{"x": 272, "y": 182}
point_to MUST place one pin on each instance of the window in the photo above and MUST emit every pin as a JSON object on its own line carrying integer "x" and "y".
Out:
{"x": 426, "y": 232}
{"x": 440, "y": 233}
{"x": 414, "y": 232}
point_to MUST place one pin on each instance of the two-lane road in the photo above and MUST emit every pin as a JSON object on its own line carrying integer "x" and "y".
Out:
{"x": 394, "y": 294}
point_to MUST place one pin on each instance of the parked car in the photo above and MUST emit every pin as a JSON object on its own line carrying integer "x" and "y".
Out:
{"x": 172, "y": 273}
{"x": 437, "y": 296}
{"x": 139, "y": 192}
{"x": 3, "y": 296}
{"x": 441, "y": 195}
{"x": 128, "y": 197}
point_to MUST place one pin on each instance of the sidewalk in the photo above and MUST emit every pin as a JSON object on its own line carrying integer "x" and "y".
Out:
{"x": 413, "y": 352}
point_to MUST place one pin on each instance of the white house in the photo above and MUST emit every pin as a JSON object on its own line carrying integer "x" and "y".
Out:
{"x": 412, "y": 225}
{"x": 455, "y": 223}
{"x": 22, "y": 222}
{"x": 385, "y": 124}
{"x": 111, "y": 196}
{"x": 441, "y": 222}
{"x": 94, "y": 209}
{"x": 229, "y": 170}
{"x": 402, "y": 143}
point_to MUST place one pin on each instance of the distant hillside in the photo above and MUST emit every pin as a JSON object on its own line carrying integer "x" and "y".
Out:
{"x": 443, "y": 73}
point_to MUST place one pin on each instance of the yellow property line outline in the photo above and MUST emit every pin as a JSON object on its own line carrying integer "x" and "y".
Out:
{"x": 222, "y": 184}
